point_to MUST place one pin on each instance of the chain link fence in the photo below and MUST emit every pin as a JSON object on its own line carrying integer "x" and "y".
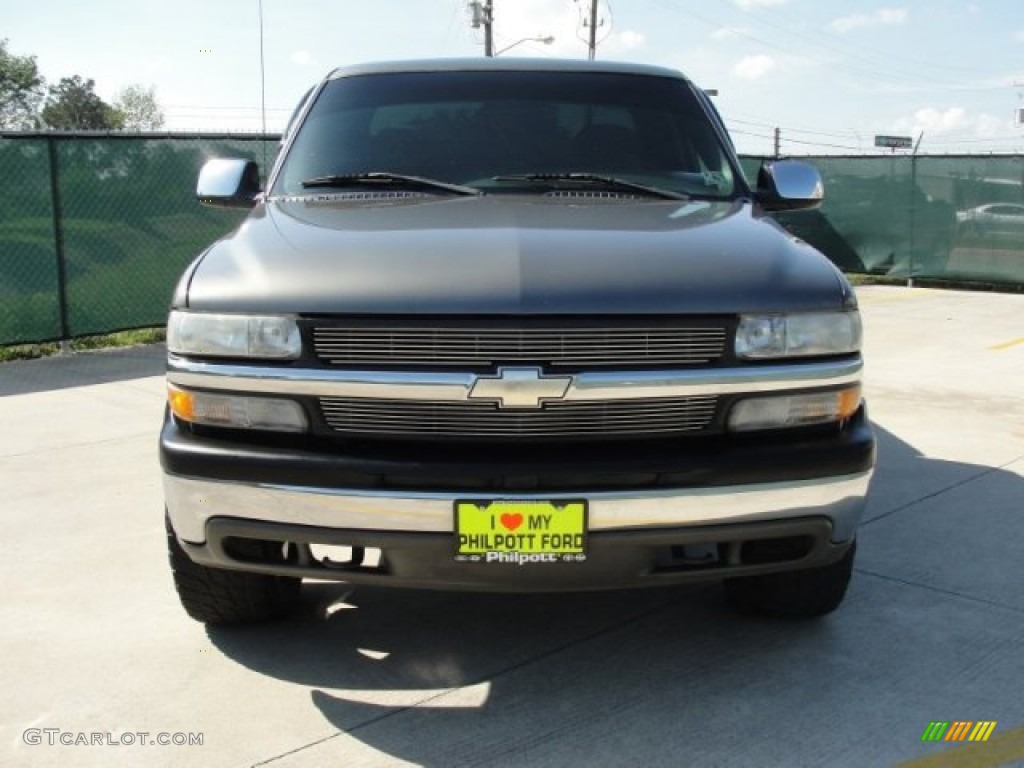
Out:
{"x": 29, "y": 300}
{"x": 957, "y": 218}
{"x": 96, "y": 229}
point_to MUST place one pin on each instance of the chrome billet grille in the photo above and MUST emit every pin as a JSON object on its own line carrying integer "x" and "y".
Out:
{"x": 566, "y": 347}
{"x": 574, "y": 194}
{"x": 562, "y": 419}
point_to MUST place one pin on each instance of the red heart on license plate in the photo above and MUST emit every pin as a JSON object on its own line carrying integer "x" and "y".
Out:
{"x": 511, "y": 521}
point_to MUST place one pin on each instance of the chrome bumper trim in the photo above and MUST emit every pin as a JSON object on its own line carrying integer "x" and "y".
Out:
{"x": 191, "y": 502}
{"x": 456, "y": 387}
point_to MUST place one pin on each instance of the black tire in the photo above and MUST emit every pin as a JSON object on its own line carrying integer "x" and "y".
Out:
{"x": 801, "y": 594}
{"x": 219, "y": 596}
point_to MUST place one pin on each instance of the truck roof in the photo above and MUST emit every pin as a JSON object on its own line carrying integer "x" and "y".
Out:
{"x": 510, "y": 64}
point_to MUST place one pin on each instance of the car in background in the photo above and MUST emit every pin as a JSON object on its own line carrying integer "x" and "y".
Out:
{"x": 994, "y": 220}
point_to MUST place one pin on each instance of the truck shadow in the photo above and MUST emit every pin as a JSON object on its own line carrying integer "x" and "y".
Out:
{"x": 644, "y": 676}
{"x": 22, "y": 377}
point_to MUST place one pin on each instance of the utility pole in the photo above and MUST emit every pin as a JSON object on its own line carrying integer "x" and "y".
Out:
{"x": 483, "y": 16}
{"x": 778, "y": 141}
{"x": 488, "y": 27}
{"x": 589, "y": 21}
{"x": 593, "y": 29}
{"x": 1018, "y": 113}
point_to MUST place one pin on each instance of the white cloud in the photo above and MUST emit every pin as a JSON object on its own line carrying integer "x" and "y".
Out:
{"x": 941, "y": 120}
{"x": 302, "y": 58}
{"x": 936, "y": 122}
{"x": 892, "y": 15}
{"x": 629, "y": 40}
{"x": 748, "y": 5}
{"x": 881, "y": 17}
{"x": 753, "y": 67}
{"x": 725, "y": 34}
{"x": 986, "y": 125}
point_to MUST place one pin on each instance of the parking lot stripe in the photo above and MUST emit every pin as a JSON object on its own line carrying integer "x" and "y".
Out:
{"x": 1007, "y": 344}
{"x": 1000, "y": 750}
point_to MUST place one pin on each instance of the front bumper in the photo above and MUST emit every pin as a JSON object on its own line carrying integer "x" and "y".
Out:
{"x": 615, "y": 559}
{"x": 192, "y": 503}
{"x": 751, "y": 507}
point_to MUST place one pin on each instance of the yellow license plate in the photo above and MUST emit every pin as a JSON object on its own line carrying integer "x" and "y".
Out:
{"x": 521, "y": 532}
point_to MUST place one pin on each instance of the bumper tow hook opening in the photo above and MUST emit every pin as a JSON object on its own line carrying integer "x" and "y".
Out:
{"x": 338, "y": 557}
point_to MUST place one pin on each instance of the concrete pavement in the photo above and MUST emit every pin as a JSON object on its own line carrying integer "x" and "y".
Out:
{"x": 93, "y": 640}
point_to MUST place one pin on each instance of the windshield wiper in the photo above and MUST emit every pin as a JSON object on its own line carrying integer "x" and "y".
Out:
{"x": 613, "y": 182}
{"x": 387, "y": 179}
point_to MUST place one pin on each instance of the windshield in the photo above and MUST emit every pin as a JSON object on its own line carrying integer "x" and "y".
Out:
{"x": 468, "y": 128}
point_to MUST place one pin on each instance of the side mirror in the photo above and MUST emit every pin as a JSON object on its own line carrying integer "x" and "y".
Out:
{"x": 228, "y": 183}
{"x": 789, "y": 185}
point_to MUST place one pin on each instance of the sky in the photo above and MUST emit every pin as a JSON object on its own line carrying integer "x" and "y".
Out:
{"x": 829, "y": 74}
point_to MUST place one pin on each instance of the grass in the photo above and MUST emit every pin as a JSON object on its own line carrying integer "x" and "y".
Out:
{"x": 949, "y": 283}
{"x": 102, "y": 341}
{"x": 862, "y": 279}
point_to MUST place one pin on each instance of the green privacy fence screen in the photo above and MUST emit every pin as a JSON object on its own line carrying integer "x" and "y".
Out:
{"x": 96, "y": 229}
{"x": 958, "y": 218}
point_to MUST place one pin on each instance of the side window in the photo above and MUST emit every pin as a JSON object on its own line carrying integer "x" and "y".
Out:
{"x": 1007, "y": 210}
{"x": 713, "y": 164}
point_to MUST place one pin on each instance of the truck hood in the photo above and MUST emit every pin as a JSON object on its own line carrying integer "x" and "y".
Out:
{"x": 510, "y": 255}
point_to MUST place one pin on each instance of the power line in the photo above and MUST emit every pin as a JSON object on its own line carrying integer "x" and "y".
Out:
{"x": 778, "y": 139}
{"x": 749, "y": 133}
{"x": 879, "y": 75}
{"x": 805, "y": 143}
{"x": 827, "y": 134}
{"x": 989, "y": 140}
{"x": 816, "y": 38}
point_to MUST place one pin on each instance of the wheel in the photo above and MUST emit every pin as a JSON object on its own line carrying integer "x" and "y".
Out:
{"x": 220, "y": 596}
{"x": 794, "y": 594}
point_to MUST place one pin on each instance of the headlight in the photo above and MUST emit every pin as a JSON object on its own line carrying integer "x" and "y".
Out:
{"x": 236, "y": 411}
{"x": 778, "y": 411}
{"x": 198, "y": 333}
{"x": 798, "y": 335}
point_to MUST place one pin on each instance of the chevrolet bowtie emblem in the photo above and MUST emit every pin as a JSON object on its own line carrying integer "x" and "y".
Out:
{"x": 520, "y": 387}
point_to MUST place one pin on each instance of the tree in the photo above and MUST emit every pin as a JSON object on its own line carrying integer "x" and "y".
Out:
{"x": 21, "y": 90}
{"x": 139, "y": 109}
{"x": 73, "y": 105}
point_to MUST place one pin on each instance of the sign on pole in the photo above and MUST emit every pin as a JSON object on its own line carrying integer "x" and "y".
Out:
{"x": 894, "y": 142}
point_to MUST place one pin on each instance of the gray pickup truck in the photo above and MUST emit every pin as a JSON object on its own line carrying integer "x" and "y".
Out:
{"x": 511, "y": 325}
